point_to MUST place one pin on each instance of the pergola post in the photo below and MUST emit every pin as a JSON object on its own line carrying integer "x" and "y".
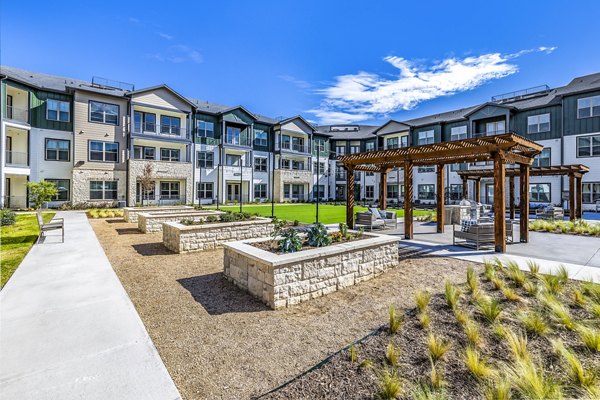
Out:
{"x": 579, "y": 197}
{"x": 499, "y": 202}
{"x": 350, "y": 197}
{"x": 408, "y": 196}
{"x": 511, "y": 196}
{"x": 524, "y": 203}
{"x": 477, "y": 184}
{"x": 383, "y": 190}
{"x": 465, "y": 193}
{"x": 440, "y": 198}
{"x": 572, "y": 205}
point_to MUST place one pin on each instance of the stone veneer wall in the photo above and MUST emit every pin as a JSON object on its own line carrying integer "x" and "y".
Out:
{"x": 182, "y": 238}
{"x": 284, "y": 280}
{"x": 150, "y": 222}
{"x": 130, "y": 214}
{"x": 82, "y": 178}
{"x": 162, "y": 170}
{"x": 293, "y": 177}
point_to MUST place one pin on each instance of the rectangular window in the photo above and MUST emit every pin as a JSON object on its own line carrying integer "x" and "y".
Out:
{"x": 459, "y": 167}
{"x": 458, "y": 133}
{"x": 426, "y": 192}
{"x": 233, "y": 160}
{"x": 103, "y": 151}
{"x": 319, "y": 145}
{"x": 297, "y": 165}
{"x": 370, "y": 146}
{"x": 205, "y": 190}
{"x": 538, "y": 123}
{"x": 456, "y": 191}
{"x": 58, "y": 150}
{"x": 426, "y": 169}
{"x": 260, "y": 137}
{"x": 369, "y": 191}
{"x": 354, "y": 149}
{"x": 260, "y": 190}
{"x": 260, "y": 164}
{"x": 169, "y": 154}
{"x": 321, "y": 167}
{"x": 63, "y": 187}
{"x": 169, "y": 190}
{"x": 57, "y": 110}
{"x": 170, "y": 125}
{"x": 319, "y": 191}
{"x": 542, "y": 159}
{"x": 285, "y": 163}
{"x": 233, "y": 135}
{"x": 144, "y": 153}
{"x": 588, "y": 107}
{"x": 495, "y": 128}
{"x": 104, "y": 113}
{"x": 426, "y": 137}
{"x": 205, "y": 129}
{"x": 205, "y": 159}
{"x": 391, "y": 143}
{"x": 392, "y": 191}
{"x": 539, "y": 192}
{"x": 404, "y": 141}
{"x": 340, "y": 150}
{"x": 103, "y": 190}
{"x": 588, "y": 146}
{"x": 591, "y": 192}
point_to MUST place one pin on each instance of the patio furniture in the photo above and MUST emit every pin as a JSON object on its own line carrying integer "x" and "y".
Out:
{"x": 389, "y": 217}
{"x": 369, "y": 220}
{"x": 58, "y": 223}
{"x": 597, "y": 205}
{"x": 550, "y": 213}
{"x": 477, "y": 234}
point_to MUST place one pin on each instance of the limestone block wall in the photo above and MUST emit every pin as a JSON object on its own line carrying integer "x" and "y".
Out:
{"x": 284, "y": 280}
{"x": 183, "y": 239}
{"x": 130, "y": 214}
{"x": 162, "y": 170}
{"x": 152, "y": 222}
{"x": 82, "y": 178}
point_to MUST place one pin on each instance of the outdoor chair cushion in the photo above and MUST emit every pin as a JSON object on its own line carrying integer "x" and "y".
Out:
{"x": 378, "y": 213}
{"x": 467, "y": 224}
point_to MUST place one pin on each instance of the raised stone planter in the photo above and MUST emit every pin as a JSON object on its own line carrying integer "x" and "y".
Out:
{"x": 130, "y": 213}
{"x": 185, "y": 238}
{"x": 153, "y": 222}
{"x": 282, "y": 280}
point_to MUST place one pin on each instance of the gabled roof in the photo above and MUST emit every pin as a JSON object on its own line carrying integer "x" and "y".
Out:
{"x": 161, "y": 86}
{"x": 391, "y": 121}
{"x": 238, "y": 108}
{"x": 361, "y": 131}
{"x": 300, "y": 117}
{"x": 488, "y": 104}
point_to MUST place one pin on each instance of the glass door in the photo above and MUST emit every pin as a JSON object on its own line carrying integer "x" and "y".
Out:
{"x": 233, "y": 192}
{"x": 489, "y": 193}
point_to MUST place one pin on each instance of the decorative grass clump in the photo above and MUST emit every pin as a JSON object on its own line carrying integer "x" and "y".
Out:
{"x": 490, "y": 309}
{"x": 424, "y": 320}
{"x": 532, "y": 381}
{"x": 473, "y": 334}
{"x": 422, "y": 298}
{"x": 472, "y": 281}
{"x": 392, "y": 354}
{"x": 437, "y": 347}
{"x": 395, "y": 320}
{"x": 390, "y": 384}
{"x": 577, "y": 227}
{"x": 452, "y": 294}
{"x": 104, "y": 213}
{"x": 534, "y": 323}
{"x": 476, "y": 365}
{"x": 558, "y": 312}
{"x": 586, "y": 378}
{"x": 353, "y": 353}
{"x": 590, "y": 337}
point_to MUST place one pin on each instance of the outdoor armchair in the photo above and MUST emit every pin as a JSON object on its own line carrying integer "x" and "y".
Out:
{"x": 57, "y": 223}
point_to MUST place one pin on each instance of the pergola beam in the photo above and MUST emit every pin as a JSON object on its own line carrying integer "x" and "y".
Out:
{"x": 440, "y": 198}
{"x": 499, "y": 203}
{"x": 408, "y": 195}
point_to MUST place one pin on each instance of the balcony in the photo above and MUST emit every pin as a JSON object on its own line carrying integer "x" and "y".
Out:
{"x": 489, "y": 133}
{"x": 17, "y": 114}
{"x": 237, "y": 140}
{"x": 235, "y": 172}
{"x": 292, "y": 147}
{"x": 16, "y": 158}
{"x": 162, "y": 130}
{"x": 294, "y": 175}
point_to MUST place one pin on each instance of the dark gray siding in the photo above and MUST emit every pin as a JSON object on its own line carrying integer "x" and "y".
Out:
{"x": 574, "y": 125}
{"x": 518, "y": 123}
{"x": 446, "y": 129}
{"x": 437, "y": 128}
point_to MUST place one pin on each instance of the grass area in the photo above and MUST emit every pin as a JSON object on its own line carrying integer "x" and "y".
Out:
{"x": 305, "y": 213}
{"x": 578, "y": 227}
{"x": 16, "y": 242}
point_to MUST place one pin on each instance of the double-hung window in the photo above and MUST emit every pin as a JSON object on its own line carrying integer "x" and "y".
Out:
{"x": 340, "y": 150}
{"x": 205, "y": 129}
{"x": 104, "y": 113}
{"x": 297, "y": 165}
{"x": 588, "y": 107}
{"x": 63, "y": 187}
{"x": 588, "y": 146}
{"x": 426, "y": 137}
{"x": 169, "y": 154}
{"x": 319, "y": 145}
{"x": 426, "y": 192}
{"x": 169, "y": 190}
{"x": 103, "y": 190}
{"x": 260, "y": 164}
{"x": 538, "y": 123}
{"x": 404, "y": 141}
{"x": 260, "y": 137}
{"x": 260, "y": 190}
{"x": 144, "y": 122}
{"x": 458, "y": 132}
{"x": 103, "y": 151}
{"x": 233, "y": 135}
{"x": 285, "y": 163}
{"x": 170, "y": 125}
{"x": 58, "y": 150}
{"x": 539, "y": 192}
{"x": 542, "y": 159}
{"x": 369, "y": 191}
{"x": 354, "y": 149}
{"x": 392, "y": 191}
{"x": 205, "y": 190}
{"x": 591, "y": 192}
{"x": 370, "y": 146}
{"x": 144, "y": 153}
{"x": 57, "y": 110}
{"x": 456, "y": 191}
{"x": 205, "y": 159}
{"x": 391, "y": 143}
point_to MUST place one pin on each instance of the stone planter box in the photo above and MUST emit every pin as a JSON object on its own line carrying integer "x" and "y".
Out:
{"x": 183, "y": 238}
{"x": 130, "y": 214}
{"x": 152, "y": 222}
{"x": 282, "y": 280}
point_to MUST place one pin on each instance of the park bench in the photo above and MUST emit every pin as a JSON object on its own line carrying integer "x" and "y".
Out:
{"x": 58, "y": 223}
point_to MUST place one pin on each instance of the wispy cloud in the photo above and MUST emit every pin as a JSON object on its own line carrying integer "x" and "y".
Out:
{"x": 165, "y": 35}
{"x": 134, "y": 20}
{"x": 299, "y": 83}
{"x": 366, "y": 95}
{"x": 177, "y": 54}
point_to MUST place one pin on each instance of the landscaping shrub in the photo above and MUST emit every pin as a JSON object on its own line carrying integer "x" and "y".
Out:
{"x": 290, "y": 241}
{"x": 317, "y": 236}
{"x": 7, "y": 217}
{"x": 212, "y": 218}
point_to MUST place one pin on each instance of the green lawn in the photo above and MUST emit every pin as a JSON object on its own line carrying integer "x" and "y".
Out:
{"x": 305, "y": 213}
{"x": 16, "y": 242}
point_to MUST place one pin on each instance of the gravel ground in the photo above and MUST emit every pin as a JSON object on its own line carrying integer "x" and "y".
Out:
{"x": 220, "y": 343}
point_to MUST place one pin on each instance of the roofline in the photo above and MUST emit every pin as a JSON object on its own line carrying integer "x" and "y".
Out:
{"x": 389, "y": 122}
{"x": 238, "y": 107}
{"x": 75, "y": 88}
{"x": 286, "y": 120}
{"x": 162, "y": 86}
{"x": 488, "y": 103}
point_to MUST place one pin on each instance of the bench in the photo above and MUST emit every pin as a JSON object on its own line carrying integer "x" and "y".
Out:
{"x": 480, "y": 235}
{"x": 57, "y": 223}
{"x": 550, "y": 213}
{"x": 368, "y": 220}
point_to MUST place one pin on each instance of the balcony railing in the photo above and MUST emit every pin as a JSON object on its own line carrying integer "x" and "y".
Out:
{"x": 237, "y": 140}
{"x": 166, "y": 130}
{"x": 17, "y": 158}
{"x": 304, "y": 168}
{"x": 15, "y": 202}
{"x": 17, "y": 114}
{"x": 489, "y": 133}
{"x": 294, "y": 147}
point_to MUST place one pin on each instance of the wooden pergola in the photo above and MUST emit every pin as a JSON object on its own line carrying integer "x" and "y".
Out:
{"x": 574, "y": 172}
{"x": 501, "y": 149}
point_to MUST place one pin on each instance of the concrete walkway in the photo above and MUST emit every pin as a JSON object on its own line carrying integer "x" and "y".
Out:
{"x": 68, "y": 330}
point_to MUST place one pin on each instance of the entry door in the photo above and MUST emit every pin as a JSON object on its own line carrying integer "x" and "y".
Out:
{"x": 233, "y": 191}
{"x": 489, "y": 193}
{"x": 7, "y": 193}
{"x": 9, "y": 150}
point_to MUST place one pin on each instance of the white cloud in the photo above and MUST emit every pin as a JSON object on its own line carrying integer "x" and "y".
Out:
{"x": 366, "y": 95}
{"x": 301, "y": 84}
{"x": 165, "y": 36}
{"x": 178, "y": 54}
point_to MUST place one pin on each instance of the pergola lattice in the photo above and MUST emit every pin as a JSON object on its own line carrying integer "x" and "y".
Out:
{"x": 501, "y": 149}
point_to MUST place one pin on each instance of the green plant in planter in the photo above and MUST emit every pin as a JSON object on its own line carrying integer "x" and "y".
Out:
{"x": 343, "y": 229}
{"x": 211, "y": 218}
{"x": 317, "y": 236}
{"x": 290, "y": 241}
{"x": 278, "y": 225}
{"x": 229, "y": 217}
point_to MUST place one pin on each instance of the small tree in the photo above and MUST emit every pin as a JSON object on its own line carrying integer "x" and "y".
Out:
{"x": 41, "y": 192}
{"x": 146, "y": 180}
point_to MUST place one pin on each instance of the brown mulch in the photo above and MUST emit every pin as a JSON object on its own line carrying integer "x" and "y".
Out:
{"x": 218, "y": 342}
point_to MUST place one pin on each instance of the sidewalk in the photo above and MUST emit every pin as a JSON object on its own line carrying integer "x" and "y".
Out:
{"x": 68, "y": 330}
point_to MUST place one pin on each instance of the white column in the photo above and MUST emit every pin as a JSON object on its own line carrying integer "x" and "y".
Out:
{"x": 2, "y": 164}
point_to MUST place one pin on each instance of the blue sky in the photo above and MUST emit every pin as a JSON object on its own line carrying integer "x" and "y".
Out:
{"x": 331, "y": 61}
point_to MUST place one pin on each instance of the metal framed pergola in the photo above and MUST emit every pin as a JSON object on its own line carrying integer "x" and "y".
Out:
{"x": 503, "y": 149}
{"x": 575, "y": 173}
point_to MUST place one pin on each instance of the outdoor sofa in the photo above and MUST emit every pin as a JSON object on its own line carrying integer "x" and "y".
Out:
{"x": 478, "y": 234}
{"x": 375, "y": 218}
{"x": 550, "y": 213}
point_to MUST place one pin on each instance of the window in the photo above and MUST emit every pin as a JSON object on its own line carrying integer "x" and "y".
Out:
{"x": 293, "y": 191}
{"x": 340, "y": 150}
{"x": 104, "y": 151}
{"x": 458, "y": 133}
{"x": 426, "y": 169}
{"x": 233, "y": 135}
{"x": 319, "y": 191}
{"x": 588, "y": 146}
{"x": 404, "y": 141}
{"x": 391, "y": 143}
{"x": 354, "y": 149}
{"x": 205, "y": 129}
{"x": 260, "y": 164}
{"x": 103, "y": 190}
{"x": 588, "y": 107}
{"x": 285, "y": 163}
{"x": 319, "y": 145}
{"x": 144, "y": 122}
{"x": 459, "y": 167}
{"x": 58, "y": 150}
{"x": 426, "y": 137}
{"x": 170, "y": 125}
{"x": 57, "y": 110}
{"x": 321, "y": 167}
{"x": 63, "y": 186}
{"x": 542, "y": 159}
{"x": 205, "y": 159}
{"x": 495, "y": 128}
{"x": 169, "y": 154}
{"x": 260, "y": 190}
{"x": 370, "y": 146}
{"x": 205, "y": 190}
{"x": 144, "y": 153}
{"x": 298, "y": 144}
{"x": 392, "y": 191}
{"x": 591, "y": 192}
{"x": 540, "y": 192}
{"x": 426, "y": 192}
{"x": 369, "y": 191}
{"x": 104, "y": 113}
{"x": 297, "y": 165}
{"x": 169, "y": 190}
{"x": 260, "y": 137}
{"x": 456, "y": 191}
{"x": 233, "y": 160}
{"x": 538, "y": 123}
{"x": 370, "y": 174}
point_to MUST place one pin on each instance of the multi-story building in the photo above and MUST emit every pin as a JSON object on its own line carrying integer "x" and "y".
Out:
{"x": 94, "y": 140}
